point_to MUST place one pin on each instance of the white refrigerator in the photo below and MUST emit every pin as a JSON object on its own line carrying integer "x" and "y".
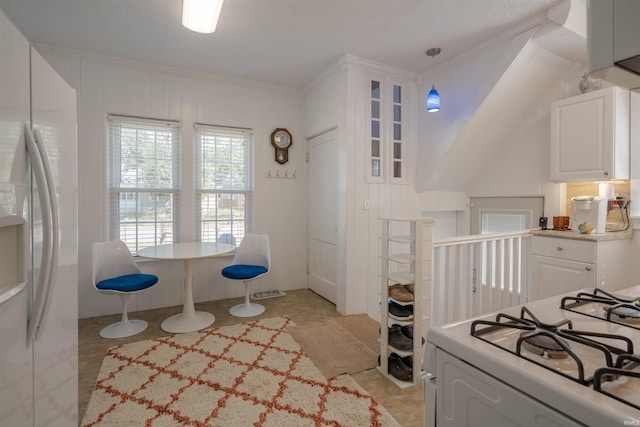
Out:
{"x": 38, "y": 239}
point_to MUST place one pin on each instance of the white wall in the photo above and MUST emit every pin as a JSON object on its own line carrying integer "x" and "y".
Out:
{"x": 463, "y": 82}
{"x": 518, "y": 164}
{"x": 108, "y": 86}
{"x": 492, "y": 135}
{"x": 337, "y": 99}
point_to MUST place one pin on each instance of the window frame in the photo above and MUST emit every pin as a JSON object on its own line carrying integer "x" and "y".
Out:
{"x": 388, "y": 129}
{"x": 246, "y": 191}
{"x": 398, "y": 139}
{"x": 116, "y": 190}
{"x": 376, "y": 131}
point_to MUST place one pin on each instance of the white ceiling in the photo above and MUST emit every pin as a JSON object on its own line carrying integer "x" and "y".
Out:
{"x": 283, "y": 42}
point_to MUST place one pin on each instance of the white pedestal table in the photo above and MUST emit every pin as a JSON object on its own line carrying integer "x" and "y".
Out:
{"x": 189, "y": 320}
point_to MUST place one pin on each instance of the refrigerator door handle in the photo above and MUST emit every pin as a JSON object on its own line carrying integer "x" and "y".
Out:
{"x": 41, "y": 292}
{"x": 54, "y": 229}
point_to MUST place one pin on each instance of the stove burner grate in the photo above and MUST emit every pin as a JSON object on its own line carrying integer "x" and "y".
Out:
{"x": 608, "y": 375}
{"x": 615, "y": 308}
{"x": 544, "y": 345}
{"x": 551, "y": 342}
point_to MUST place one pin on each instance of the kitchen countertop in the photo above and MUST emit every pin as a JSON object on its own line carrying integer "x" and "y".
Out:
{"x": 569, "y": 234}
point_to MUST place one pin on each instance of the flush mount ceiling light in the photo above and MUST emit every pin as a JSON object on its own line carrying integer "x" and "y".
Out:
{"x": 201, "y": 16}
{"x": 433, "y": 98}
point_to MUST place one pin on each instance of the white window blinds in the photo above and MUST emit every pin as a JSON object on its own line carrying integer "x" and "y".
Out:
{"x": 224, "y": 183}
{"x": 144, "y": 180}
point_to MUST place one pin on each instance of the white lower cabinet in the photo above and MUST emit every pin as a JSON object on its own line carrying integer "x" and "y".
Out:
{"x": 561, "y": 265}
{"x": 554, "y": 276}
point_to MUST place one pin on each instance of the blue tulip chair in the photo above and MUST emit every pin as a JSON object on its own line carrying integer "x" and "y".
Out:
{"x": 252, "y": 260}
{"x": 115, "y": 272}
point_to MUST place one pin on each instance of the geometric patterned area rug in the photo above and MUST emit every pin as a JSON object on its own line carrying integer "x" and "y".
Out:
{"x": 250, "y": 374}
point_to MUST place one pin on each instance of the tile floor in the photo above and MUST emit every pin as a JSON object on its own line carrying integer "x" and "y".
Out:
{"x": 303, "y": 306}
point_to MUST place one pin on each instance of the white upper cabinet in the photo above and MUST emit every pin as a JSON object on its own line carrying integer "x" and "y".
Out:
{"x": 590, "y": 136}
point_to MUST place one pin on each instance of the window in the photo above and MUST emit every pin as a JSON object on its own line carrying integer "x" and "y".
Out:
{"x": 501, "y": 215}
{"x": 375, "y": 133}
{"x": 144, "y": 181}
{"x": 224, "y": 183}
{"x": 397, "y": 133}
{"x": 504, "y": 214}
{"x": 386, "y": 146}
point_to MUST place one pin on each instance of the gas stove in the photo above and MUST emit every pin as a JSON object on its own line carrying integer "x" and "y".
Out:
{"x": 566, "y": 360}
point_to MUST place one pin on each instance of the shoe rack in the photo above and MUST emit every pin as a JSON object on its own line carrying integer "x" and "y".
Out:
{"x": 406, "y": 259}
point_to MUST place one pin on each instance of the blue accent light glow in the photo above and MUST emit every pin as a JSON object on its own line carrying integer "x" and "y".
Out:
{"x": 433, "y": 100}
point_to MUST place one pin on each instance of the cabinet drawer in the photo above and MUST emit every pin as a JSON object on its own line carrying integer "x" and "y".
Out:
{"x": 575, "y": 250}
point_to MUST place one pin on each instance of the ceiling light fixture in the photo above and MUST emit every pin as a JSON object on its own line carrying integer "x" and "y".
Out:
{"x": 433, "y": 98}
{"x": 201, "y": 16}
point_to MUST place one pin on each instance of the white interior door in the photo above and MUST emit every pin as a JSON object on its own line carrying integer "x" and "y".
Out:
{"x": 323, "y": 198}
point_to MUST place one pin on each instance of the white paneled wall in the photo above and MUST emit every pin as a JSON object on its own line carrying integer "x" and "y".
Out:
{"x": 106, "y": 86}
{"x": 337, "y": 100}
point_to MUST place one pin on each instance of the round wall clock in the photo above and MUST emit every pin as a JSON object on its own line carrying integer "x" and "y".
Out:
{"x": 281, "y": 140}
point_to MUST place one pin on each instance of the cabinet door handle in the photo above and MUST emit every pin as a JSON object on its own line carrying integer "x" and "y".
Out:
{"x": 559, "y": 248}
{"x": 587, "y": 268}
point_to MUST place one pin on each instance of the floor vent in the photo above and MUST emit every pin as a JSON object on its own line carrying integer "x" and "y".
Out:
{"x": 267, "y": 294}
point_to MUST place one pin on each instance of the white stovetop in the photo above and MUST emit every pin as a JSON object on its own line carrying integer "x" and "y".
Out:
{"x": 576, "y": 400}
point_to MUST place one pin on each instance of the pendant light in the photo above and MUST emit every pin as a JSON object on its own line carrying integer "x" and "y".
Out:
{"x": 201, "y": 16}
{"x": 433, "y": 98}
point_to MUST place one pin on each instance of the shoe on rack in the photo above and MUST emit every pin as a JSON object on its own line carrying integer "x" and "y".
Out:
{"x": 398, "y": 340}
{"x": 407, "y": 360}
{"x": 399, "y": 369}
{"x": 400, "y": 312}
{"x": 400, "y": 293}
{"x": 409, "y": 288}
{"x": 407, "y": 331}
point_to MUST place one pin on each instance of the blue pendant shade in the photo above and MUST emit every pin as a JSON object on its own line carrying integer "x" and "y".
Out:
{"x": 433, "y": 100}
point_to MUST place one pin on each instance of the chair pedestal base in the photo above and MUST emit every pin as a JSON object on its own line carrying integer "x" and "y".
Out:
{"x": 123, "y": 329}
{"x": 246, "y": 310}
